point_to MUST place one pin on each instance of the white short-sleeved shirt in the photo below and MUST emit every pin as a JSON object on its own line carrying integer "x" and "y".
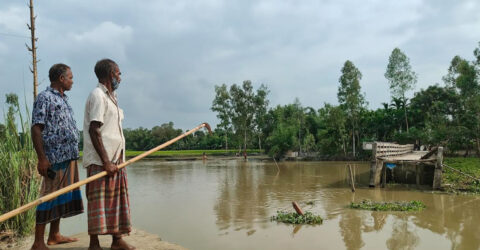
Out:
{"x": 103, "y": 108}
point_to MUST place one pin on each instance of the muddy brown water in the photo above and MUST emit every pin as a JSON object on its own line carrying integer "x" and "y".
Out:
{"x": 227, "y": 204}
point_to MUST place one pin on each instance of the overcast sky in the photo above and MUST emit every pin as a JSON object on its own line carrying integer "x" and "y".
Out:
{"x": 172, "y": 53}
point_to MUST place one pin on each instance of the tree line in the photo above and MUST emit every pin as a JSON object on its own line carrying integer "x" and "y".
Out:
{"x": 445, "y": 114}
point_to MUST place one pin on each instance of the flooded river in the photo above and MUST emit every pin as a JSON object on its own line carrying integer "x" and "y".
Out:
{"x": 227, "y": 204}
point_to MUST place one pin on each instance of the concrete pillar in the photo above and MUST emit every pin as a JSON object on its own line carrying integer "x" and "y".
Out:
{"x": 373, "y": 165}
{"x": 384, "y": 175}
{"x": 437, "y": 176}
{"x": 378, "y": 172}
{"x": 373, "y": 170}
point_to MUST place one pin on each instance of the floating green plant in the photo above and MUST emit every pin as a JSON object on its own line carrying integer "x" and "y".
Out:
{"x": 294, "y": 218}
{"x": 389, "y": 206}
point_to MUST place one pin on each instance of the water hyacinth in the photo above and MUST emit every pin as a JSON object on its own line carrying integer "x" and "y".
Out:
{"x": 389, "y": 206}
{"x": 294, "y": 218}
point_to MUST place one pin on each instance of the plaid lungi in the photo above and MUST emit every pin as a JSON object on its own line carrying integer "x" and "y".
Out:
{"x": 65, "y": 205}
{"x": 108, "y": 203}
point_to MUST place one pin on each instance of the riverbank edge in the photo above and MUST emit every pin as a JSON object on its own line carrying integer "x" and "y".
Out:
{"x": 138, "y": 238}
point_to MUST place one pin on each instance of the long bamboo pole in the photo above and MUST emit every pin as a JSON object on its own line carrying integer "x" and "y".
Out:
{"x": 53, "y": 195}
{"x": 33, "y": 49}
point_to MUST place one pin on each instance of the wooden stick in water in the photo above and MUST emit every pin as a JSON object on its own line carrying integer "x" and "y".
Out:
{"x": 352, "y": 183}
{"x": 297, "y": 208}
{"x": 64, "y": 190}
{"x": 278, "y": 169}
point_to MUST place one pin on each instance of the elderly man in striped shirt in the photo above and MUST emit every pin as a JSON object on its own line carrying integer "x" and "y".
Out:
{"x": 104, "y": 149}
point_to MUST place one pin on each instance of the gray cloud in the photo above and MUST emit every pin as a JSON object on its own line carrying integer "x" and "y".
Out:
{"x": 172, "y": 53}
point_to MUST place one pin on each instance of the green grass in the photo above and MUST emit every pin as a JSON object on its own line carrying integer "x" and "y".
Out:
{"x": 19, "y": 181}
{"x": 389, "y": 206}
{"x": 294, "y": 218}
{"x": 454, "y": 181}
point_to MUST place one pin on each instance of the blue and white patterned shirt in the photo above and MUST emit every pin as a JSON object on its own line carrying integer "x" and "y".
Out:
{"x": 60, "y": 134}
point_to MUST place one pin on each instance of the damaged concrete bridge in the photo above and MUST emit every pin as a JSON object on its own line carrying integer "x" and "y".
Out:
{"x": 397, "y": 163}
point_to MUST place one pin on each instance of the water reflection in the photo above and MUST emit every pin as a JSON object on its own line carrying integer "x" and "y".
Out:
{"x": 242, "y": 198}
{"x": 351, "y": 229}
{"x": 249, "y": 193}
{"x": 227, "y": 204}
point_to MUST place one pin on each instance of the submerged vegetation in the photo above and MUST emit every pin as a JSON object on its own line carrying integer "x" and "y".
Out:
{"x": 389, "y": 206}
{"x": 294, "y": 218}
{"x": 19, "y": 182}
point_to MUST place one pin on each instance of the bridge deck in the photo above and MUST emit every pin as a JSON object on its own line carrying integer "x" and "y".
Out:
{"x": 387, "y": 152}
{"x": 411, "y": 156}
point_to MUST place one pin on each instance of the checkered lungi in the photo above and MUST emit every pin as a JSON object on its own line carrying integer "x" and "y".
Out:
{"x": 65, "y": 205}
{"x": 108, "y": 203}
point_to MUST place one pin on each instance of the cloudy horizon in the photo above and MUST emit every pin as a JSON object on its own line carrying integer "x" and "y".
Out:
{"x": 173, "y": 53}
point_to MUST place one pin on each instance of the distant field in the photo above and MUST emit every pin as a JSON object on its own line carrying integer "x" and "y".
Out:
{"x": 173, "y": 153}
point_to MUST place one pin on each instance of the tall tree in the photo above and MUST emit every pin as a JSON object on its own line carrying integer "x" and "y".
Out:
{"x": 261, "y": 106}
{"x": 221, "y": 104}
{"x": 454, "y": 72}
{"x": 350, "y": 98}
{"x": 165, "y": 132}
{"x": 401, "y": 77}
{"x": 332, "y": 134}
{"x": 299, "y": 116}
{"x": 283, "y": 129}
{"x": 463, "y": 78}
{"x": 243, "y": 107}
{"x": 476, "y": 53}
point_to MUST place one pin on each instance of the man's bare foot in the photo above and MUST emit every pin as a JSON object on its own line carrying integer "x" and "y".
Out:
{"x": 60, "y": 239}
{"x": 39, "y": 246}
{"x": 96, "y": 247}
{"x": 120, "y": 244}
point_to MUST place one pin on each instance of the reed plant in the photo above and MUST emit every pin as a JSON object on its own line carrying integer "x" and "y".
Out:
{"x": 19, "y": 180}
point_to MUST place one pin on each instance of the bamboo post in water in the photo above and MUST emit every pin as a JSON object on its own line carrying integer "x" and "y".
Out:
{"x": 97, "y": 176}
{"x": 278, "y": 169}
{"x": 352, "y": 183}
{"x": 297, "y": 208}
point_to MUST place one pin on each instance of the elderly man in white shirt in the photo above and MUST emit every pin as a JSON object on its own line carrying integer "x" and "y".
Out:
{"x": 103, "y": 150}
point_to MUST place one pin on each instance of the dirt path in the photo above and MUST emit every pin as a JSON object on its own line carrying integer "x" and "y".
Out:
{"x": 138, "y": 238}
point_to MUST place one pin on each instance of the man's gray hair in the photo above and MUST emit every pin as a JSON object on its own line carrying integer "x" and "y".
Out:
{"x": 104, "y": 67}
{"x": 56, "y": 71}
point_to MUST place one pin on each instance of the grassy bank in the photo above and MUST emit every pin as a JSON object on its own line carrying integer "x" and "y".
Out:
{"x": 19, "y": 181}
{"x": 454, "y": 181}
